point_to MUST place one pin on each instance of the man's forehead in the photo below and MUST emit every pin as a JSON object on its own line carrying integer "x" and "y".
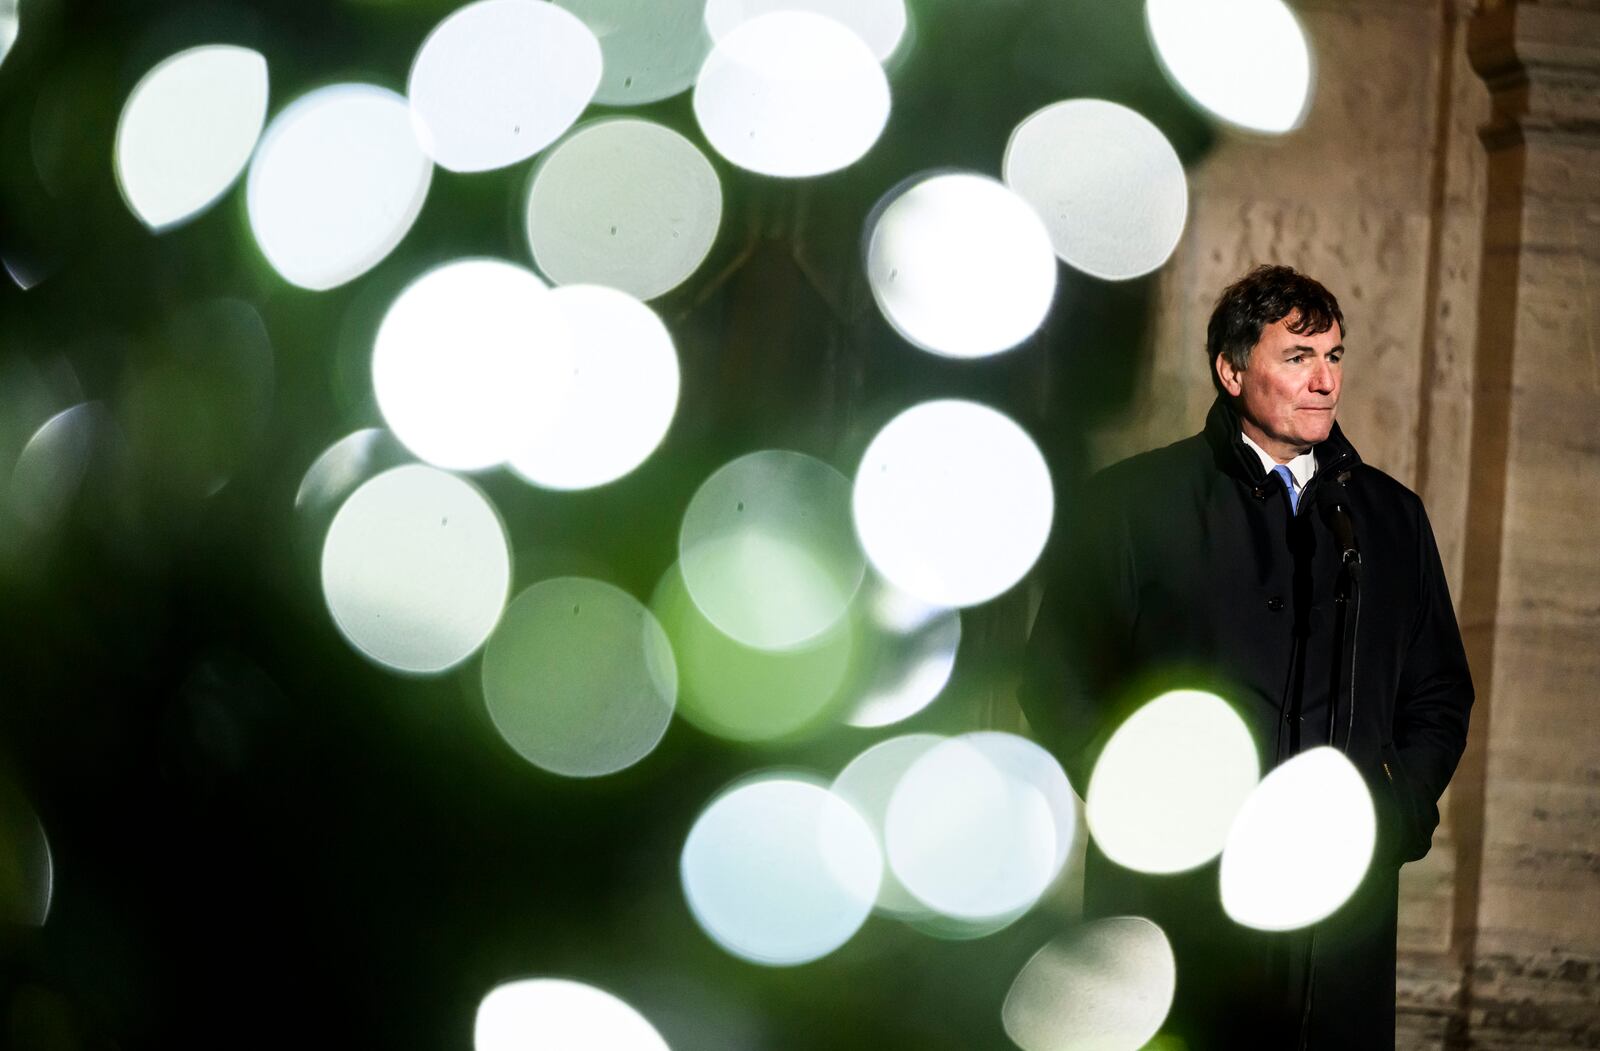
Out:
{"x": 1294, "y": 322}
{"x": 1287, "y": 330}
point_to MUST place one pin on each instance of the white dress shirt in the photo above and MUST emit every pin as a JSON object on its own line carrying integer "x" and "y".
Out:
{"x": 1301, "y": 468}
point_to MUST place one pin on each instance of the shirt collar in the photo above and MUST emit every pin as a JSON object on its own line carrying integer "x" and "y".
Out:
{"x": 1302, "y": 467}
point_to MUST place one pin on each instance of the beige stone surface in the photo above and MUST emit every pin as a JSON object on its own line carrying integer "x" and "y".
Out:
{"x": 1427, "y": 893}
{"x": 1528, "y": 916}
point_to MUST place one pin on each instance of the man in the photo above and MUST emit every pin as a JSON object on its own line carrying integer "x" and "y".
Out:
{"x": 1263, "y": 561}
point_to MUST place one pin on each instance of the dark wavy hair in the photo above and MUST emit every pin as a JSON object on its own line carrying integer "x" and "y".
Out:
{"x": 1267, "y": 294}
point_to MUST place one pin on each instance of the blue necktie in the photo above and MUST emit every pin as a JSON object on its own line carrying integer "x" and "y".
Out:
{"x": 1282, "y": 471}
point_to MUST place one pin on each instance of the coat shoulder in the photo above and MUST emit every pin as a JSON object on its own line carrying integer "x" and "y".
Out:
{"x": 1386, "y": 489}
{"x": 1155, "y": 467}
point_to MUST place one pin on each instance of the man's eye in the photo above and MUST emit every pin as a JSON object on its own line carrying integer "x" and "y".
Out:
{"x": 1297, "y": 359}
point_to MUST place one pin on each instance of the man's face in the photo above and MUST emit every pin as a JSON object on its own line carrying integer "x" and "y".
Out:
{"x": 1289, "y": 393}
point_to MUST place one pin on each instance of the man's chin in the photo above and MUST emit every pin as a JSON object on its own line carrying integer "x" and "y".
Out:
{"x": 1305, "y": 437}
{"x": 1314, "y": 427}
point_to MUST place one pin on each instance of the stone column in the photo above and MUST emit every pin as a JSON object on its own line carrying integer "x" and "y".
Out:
{"x": 1525, "y": 806}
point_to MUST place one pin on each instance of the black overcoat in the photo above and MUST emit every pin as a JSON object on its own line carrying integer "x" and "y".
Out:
{"x": 1184, "y": 567}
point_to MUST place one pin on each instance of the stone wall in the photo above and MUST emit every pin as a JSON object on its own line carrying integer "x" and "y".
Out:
{"x": 1528, "y": 903}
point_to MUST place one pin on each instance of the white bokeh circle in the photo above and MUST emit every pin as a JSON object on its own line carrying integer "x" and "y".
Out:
{"x": 559, "y": 1013}
{"x": 623, "y": 202}
{"x": 415, "y": 569}
{"x": 792, "y": 94}
{"x": 1108, "y": 185}
{"x": 881, "y": 24}
{"x": 980, "y": 825}
{"x": 336, "y": 182}
{"x": 499, "y": 80}
{"x": 961, "y": 266}
{"x": 622, "y": 394}
{"x": 1247, "y": 62}
{"x": 780, "y": 871}
{"x": 1301, "y": 843}
{"x": 9, "y": 23}
{"x": 472, "y": 363}
{"x": 188, "y": 129}
{"x": 1105, "y": 986}
{"x": 1170, "y": 781}
{"x": 652, "y": 48}
{"x": 867, "y": 783}
{"x": 953, "y": 502}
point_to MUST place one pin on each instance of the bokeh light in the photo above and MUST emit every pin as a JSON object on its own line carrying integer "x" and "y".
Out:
{"x": 52, "y": 465}
{"x": 908, "y": 652}
{"x": 188, "y": 129}
{"x": 1105, "y": 986}
{"x": 1108, "y": 185}
{"x": 741, "y": 693}
{"x": 792, "y": 94}
{"x": 27, "y": 871}
{"x": 344, "y": 465}
{"x": 867, "y": 783}
{"x": 32, "y": 390}
{"x": 24, "y": 272}
{"x": 623, "y": 392}
{"x": 652, "y": 48}
{"x": 1301, "y": 843}
{"x": 780, "y": 870}
{"x": 1169, "y": 783}
{"x": 953, "y": 502}
{"x": 499, "y": 80}
{"x": 559, "y": 1013}
{"x": 471, "y": 363}
{"x": 9, "y": 24}
{"x": 336, "y": 183}
{"x": 623, "y": 202}
{"x": 1245, "y": 61}
{"x": 767, "y": 550}
{"x": 195, "y": 408}
{"x": 980, "y": 825}
{"x": 961, "y": 266}
{"x": 879, "y": 23}
{"x": 579, "y": 678}
{"x": 415, "y": 569}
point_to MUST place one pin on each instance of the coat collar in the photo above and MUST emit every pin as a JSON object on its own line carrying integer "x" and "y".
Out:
{"x": 1235, "y": 458}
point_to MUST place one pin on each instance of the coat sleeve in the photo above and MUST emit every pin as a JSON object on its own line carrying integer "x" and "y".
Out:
{"x": 1434, "y": 699}
{"x": 1078, "y": 647}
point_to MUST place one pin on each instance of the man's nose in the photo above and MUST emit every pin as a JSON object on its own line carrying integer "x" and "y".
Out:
{"x": 1322, "y": 377}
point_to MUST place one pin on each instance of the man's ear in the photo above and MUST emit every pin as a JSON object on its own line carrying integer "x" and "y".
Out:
{"x": 1229, "y": 376}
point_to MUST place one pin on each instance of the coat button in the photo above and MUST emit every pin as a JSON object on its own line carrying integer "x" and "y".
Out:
{"x": 1274, "y": 603}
